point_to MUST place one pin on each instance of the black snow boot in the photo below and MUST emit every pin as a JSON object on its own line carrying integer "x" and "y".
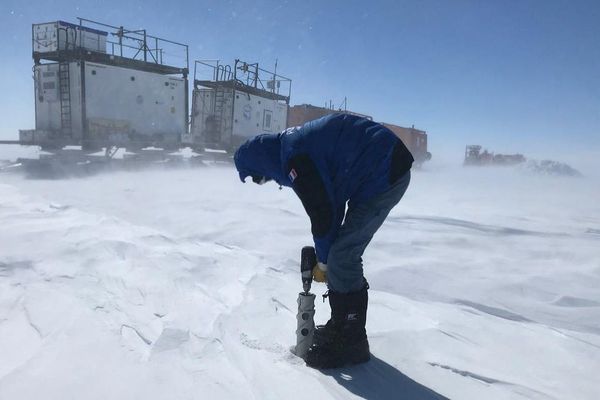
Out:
{"x": 343, "y": 340}
{"x": 324, "y": 333}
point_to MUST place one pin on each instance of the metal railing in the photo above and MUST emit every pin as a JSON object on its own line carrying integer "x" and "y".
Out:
{"x": 139, "y": 45}
{"x": 244, "y": 74}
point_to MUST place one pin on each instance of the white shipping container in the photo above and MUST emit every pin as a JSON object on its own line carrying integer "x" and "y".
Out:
{"x": 254, "y": 114}
{"x": 116, "y": 104}
{"x": 223, "y": 118}
{"x": 54, "y": 36}
{"x": 210, "y": 127}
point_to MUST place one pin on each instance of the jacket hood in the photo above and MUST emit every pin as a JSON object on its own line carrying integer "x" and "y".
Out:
{"x": 260, "y": 156}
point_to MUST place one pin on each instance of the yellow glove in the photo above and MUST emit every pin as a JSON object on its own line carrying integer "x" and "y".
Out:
{"x": 320, "y": 272}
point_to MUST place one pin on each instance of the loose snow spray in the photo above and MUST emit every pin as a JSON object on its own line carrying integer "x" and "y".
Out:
{"x": 306, "y": 303}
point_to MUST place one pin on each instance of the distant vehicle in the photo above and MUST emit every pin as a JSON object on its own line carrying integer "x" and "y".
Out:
{"x": 474, "y": 156}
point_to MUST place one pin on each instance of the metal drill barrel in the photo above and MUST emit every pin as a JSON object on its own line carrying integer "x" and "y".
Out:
{"x": 306, "y": 325}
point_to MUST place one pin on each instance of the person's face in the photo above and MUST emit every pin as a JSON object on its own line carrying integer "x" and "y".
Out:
{"x": 260, "y": 180}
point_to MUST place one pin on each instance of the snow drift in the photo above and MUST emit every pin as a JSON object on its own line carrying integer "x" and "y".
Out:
{"x": 182, "y": 284}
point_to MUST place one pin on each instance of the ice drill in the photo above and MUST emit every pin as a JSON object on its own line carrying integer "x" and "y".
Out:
{"x": 306, "y": 303}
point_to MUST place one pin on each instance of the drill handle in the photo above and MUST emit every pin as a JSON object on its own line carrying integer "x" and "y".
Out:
{"x": 308, "y": 259}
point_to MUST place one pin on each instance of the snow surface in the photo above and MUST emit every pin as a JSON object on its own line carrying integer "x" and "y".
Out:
{"x": 182, "y": 284}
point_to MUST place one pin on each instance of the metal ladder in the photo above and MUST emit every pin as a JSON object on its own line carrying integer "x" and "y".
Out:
{"x": 219, "y": 109}
{"x": 64, "y": 88}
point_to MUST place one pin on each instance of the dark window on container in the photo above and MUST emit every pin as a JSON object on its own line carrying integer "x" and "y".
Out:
{"x": 267, "y": 116}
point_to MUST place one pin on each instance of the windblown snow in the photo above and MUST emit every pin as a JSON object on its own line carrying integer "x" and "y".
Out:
{"x": 182, "y": 284}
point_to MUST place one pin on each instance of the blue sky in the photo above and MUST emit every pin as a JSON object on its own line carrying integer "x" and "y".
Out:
{"x": 511, "y": 75}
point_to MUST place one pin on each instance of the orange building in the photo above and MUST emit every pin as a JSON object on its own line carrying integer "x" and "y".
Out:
{"x": 298, "y": 115}
{"x": 414, "y": 139}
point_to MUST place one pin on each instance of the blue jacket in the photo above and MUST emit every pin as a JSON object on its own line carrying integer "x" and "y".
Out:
{"x": 336, "y": 159}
